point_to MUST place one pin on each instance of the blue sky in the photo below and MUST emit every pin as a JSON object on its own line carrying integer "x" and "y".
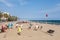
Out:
{"x": 32, "y": 9}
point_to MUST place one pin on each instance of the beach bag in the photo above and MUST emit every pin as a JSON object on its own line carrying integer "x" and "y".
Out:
{"x": 50, "y": 31}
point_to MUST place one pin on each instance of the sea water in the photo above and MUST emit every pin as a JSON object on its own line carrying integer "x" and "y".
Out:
{"x": 57, "y": 22}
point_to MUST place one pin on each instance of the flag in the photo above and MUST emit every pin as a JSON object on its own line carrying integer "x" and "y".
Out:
{"x": 46, "y": 15}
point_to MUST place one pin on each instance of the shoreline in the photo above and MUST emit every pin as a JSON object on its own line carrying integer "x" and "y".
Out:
{"x": 54, "y": 22}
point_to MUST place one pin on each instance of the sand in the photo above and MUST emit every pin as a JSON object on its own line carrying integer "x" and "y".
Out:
{"x": 27, "y": 34}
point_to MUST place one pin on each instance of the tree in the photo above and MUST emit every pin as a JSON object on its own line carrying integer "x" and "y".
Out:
{"x": 0, "y": 19}
{"x": 1, "y": 15}
{"x": 6, "y": 15}
{"x": 12, "y": 18}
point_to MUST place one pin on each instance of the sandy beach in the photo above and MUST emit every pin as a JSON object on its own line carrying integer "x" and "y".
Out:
{"x": 26, "y": 34}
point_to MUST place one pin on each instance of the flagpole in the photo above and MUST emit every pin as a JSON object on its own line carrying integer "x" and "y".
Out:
{"x": 46, "y": 18}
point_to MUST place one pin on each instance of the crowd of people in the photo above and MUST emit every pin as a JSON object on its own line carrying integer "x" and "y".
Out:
{"x": 19, "y": 27}
{"x": 4, "y": 27}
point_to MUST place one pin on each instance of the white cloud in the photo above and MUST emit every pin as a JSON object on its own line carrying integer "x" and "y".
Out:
{"x": 6, "y": 3}
{"x": 23, "y": 2}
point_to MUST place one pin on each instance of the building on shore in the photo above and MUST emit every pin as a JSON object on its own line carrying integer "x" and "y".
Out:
{"x": 4, "y": 16}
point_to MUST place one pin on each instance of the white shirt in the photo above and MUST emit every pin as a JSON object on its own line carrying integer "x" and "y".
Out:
{"x": 36, "y": 26}
{"x": 16, "y": 24}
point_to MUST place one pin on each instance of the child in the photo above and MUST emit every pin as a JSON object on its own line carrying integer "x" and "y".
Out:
{"x": 19, "y": 30}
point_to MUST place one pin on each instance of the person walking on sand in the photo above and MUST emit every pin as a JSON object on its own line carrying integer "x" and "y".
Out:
{"x": 17, "y": 25}
{"x": 19, "y": 30}
{"x": 21, "y": 26}
{"x": 10, "y": 25}
{"x": 30, "y": 25}
{"x": 41, "y": 27}
{"x": 36, "y": 27}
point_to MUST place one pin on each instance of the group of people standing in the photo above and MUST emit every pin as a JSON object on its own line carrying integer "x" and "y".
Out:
{"x": 18, "y": 26}
{"x": 36, "y": 27}
{"x": 4, "y": 27}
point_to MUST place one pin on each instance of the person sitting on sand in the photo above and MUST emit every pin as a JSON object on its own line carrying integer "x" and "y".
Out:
{"x": 19, "y": 30}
